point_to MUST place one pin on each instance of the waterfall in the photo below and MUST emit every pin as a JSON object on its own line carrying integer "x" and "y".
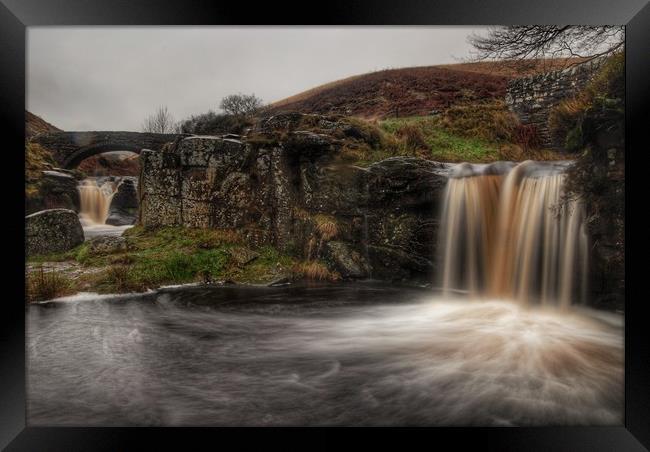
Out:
{"x": 95, "y": 200}
{"x": 506, "y": 232}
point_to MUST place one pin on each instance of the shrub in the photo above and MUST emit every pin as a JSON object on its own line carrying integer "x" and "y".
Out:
{"x": 42, "y": 285}
{"x": 241, "y": 104}
{"x": 212, "y": 123}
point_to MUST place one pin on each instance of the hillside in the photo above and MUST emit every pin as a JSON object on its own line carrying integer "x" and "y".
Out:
{"x": 39, "y": 159}
{"x": 413, "y": 91}
{"x": 35, "y": 125}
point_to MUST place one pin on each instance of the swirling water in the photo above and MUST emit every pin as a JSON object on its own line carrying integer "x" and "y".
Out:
{"x": 350, "y": 354}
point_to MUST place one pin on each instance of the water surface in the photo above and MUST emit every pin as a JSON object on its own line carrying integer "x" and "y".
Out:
{"x": 362, "y": 354}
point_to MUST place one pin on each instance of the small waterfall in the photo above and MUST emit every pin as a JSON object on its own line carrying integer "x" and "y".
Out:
{"x": 95, "y": 200}
{"x": 507, "y": 233}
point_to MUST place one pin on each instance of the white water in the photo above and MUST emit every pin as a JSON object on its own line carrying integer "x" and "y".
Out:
{"x": 506, "y": 233}
{"x": 358, "y": 354}
{"x": 95, "y": 203}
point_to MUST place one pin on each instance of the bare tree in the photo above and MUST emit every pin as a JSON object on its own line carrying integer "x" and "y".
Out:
{"x": 160, "y": 122}
{"x": 519, "y": 43}
{"x": 241, "y": 104}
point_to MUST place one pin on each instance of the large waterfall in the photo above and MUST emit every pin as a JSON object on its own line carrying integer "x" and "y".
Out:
{"x": 95, "y": 200}
{"x": 507, "y": 232}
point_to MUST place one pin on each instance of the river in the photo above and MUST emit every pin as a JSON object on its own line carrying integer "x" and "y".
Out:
{"x": 364, "y": 354}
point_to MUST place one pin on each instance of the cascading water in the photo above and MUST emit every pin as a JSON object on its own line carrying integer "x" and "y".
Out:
{"x": 95, "y": 200}
{"x": 508, "y": 233}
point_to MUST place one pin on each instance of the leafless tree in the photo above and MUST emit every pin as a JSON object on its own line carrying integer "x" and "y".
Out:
{"x": 521, "y": 43}
{"x": 160, "y": 122}
{"x": 241, "y": 104}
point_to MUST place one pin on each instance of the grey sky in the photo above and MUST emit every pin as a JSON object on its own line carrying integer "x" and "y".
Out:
{"x": 111, "y": 78}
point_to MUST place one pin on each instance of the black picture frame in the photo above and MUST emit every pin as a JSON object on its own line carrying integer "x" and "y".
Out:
{"x": 16, "y": 15}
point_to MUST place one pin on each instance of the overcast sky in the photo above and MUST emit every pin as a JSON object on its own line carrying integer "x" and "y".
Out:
{"x": 111, "y": 78}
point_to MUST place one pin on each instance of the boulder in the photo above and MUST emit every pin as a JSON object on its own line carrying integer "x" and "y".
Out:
{"x": 107, "y": 244}
{"x": 52, "y": 231}
{"x": 56, "y": 189}
{"x": 124, "y": 204}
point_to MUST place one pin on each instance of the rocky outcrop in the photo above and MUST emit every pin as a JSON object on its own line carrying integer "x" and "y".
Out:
{"x": 55, "y": 189}
{"x": 124, "y": 204}
{"x": 293, "y": 192}
{"x": 52, "y": 231}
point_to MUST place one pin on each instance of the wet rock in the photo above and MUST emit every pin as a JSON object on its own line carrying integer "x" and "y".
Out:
{"x": 52, "y": 231}
{"x": 56, "y": 190}
{"x": 280, "y": 282}
{"x": 124, "y": 204}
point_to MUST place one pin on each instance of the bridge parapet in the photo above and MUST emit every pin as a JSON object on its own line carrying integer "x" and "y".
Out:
{"x": 70, "y": 148}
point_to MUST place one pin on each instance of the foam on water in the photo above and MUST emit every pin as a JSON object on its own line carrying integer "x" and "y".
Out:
{"x": 333, "y": 356}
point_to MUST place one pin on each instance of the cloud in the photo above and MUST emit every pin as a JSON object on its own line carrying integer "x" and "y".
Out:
{"x": 111, "y": 78}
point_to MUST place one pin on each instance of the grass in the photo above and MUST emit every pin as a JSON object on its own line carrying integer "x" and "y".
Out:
{"x": 42, "y": 285}
{"x": 326, "y": 226}
{"x": 315, "y": 271}
{"x": 439, "y": 143}
{"x": 172, "y": 255}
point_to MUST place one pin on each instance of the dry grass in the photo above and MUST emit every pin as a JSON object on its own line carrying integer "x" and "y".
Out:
{"x": 491, "y": 121}
{"x": 42, "y": 285}
{"x": 326, "y": 226}
{"x": 412, "y": 136}
{"x": 516, "y": 153}
{"x": 515, "y": 69}
{"x": 119, "y": 277}
{"x": 314, "y": 271}
{"x": 395, "y": 92}
{"x": 37, "y": 159}
{"x": 565, "y": 116}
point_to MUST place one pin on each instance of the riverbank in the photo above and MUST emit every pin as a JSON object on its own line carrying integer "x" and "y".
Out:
{"x": 145, "y": 259}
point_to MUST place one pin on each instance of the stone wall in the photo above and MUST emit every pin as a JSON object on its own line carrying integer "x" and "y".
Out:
{"x": 70, "y": 148}
{"x": 532, "y": 98}
{"x": 278, "y": 192}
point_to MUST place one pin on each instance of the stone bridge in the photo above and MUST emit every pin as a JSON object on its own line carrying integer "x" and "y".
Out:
{"x": 71, "y": 148}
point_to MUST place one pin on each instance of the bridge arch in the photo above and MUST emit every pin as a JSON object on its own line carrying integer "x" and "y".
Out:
{"x": 74, "y": 159}
{"x": 70, "y": 148}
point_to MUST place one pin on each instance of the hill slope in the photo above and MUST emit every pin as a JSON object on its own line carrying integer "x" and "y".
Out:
{"x": 35, "y": 125}
{"x": 411, "y": 91}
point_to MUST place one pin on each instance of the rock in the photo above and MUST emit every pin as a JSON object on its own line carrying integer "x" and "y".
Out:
{"x": 393, "y": 264}
{"x": 56, "y": 190}
{"x": 408, "y": 181}
{"x": 124, "y": 204}
{"x": 272, "y": 191}
{"x": 52, "y": 231}
{"x": 280, "y": 282}
{"x": 348, "y": 262}
{"x": 107, "y": 244}
{"x": 242, "y": 255}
